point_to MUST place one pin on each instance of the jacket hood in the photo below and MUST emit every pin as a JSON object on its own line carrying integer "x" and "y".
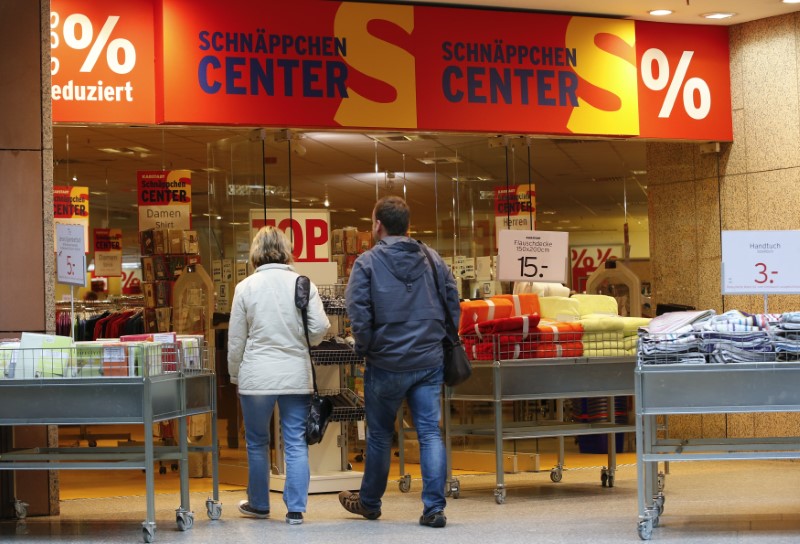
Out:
{"x": 404, "y": 259}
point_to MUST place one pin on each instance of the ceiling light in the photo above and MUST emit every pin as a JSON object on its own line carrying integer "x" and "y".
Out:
{"x": 440, "y": 160}
{"x": 326, "y": 202}
{"x": 791, "y": 1}
{"x": 718, "y": 15}
{"x": 660, "y": 12}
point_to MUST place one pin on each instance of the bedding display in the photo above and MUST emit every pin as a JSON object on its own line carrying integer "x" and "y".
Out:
{"x": 576, "y": 326}
{"x": 731, "y": 337}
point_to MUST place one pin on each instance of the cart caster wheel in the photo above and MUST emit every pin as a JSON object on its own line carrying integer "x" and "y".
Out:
{"x": 405, "y": 483}
{"x": 21, "y": 509}
{"x": 349, "y": 466}
{"x": 92, "y": 443}
{"x": 610, "y": 480}
{"x": 213, "y": 509}
{"x": 148, "y": 532}
{"x": 658, "y": 502}
{"x": 453, "y": 489}
{"x": 162, "y": 470}
{"x": 604, "y": 478}
{"x": 499, "y": 496}
{"x": 359, "y": 458}
{"x": 556, "y": 475}
{"x": 655, "y": 522}
{"x": 174, "y": 467}
{"x": 184, "y": 520}
{"x": 646, "y": 529}
{"x": 661, "y": 481}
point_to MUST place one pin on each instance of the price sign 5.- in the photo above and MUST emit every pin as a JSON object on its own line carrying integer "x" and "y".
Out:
{"x": 527, "y": 255}
{"x": 760, "y": 262}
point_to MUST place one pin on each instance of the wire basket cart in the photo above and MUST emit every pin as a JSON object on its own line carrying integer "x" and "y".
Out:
{"x": 519, "y": 370}
{"x": 140, "y": 383}
{"x": 707, "y": 373}
{"x": 330, "y": 466}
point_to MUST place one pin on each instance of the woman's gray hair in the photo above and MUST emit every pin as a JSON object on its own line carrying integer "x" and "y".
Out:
{"x": 270, "y": 245}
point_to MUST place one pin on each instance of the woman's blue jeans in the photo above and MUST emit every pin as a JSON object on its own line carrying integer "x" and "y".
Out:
{"x": 384, "y": 392}
{"x": 257, "y": 412}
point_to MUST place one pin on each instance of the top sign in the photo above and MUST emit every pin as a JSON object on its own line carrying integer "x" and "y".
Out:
{"x": 314, "y": 63}
{"x": 532, "y": 256}
{"x": 760, "y": 262}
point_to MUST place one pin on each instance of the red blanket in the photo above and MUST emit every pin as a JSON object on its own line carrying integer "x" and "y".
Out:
{"x": 523, "y": 324}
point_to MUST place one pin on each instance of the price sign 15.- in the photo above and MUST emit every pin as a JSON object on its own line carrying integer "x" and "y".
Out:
{"x": 760, "y": 262}
{"x": 528, "y": 255}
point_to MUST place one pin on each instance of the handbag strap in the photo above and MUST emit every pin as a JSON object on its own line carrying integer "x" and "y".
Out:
{"x": 448, "y": 319}
{"x": 304, "y": 313}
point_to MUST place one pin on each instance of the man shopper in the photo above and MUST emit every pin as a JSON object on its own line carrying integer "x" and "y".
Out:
{"x": 398, "y": 323}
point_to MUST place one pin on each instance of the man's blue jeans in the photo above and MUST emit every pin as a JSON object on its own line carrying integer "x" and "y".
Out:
{"x": 257, "y": 412}
{"x": 384, "y": 392}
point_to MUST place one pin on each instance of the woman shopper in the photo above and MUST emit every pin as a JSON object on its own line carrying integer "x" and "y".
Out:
{"x": 268, "y": 360}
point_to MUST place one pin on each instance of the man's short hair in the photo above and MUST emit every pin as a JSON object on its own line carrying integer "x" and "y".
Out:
{"x": 393, "y": 213}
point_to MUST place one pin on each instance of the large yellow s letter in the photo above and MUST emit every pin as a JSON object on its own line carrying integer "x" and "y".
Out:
{"x": 606, "y": 71}
{"x": 380, "y": 60}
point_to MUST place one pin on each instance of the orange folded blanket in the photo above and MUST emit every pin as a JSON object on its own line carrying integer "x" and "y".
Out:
{"x": 478, "y": 311}
{"x": 561, "y": 349}
{"x": 524, "y": 304}
{"x": 558, "y": 332}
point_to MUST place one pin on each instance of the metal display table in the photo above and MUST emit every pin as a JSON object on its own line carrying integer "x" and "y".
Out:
{"x": 711, "y": 388}
{"x": 156, "y": 395}
{"x": 502, "y": 381}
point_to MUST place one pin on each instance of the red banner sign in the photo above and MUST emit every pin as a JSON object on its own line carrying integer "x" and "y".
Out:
{"x": 313, "y": 63}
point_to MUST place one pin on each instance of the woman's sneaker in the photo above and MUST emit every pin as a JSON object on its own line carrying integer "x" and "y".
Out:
{"x": 247, "y": 510}
{"x": 294, "y": 518}
{"x": 352, "y": 503}
{"x": 437, "y": 519}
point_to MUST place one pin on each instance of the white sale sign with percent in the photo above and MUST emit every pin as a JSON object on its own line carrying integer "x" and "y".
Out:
{"x": 760, "y": 262}
{"x": 70, "y": 258}
{"x": 532, "y": 255}
{"x": 101, "y": 61}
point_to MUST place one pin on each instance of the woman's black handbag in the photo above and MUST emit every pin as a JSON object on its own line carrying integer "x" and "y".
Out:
{"x": 321, "y": 407}
{"x": 457, "y": 367}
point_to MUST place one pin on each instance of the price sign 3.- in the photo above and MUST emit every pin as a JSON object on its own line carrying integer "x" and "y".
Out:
{"x": 760, "y": 262}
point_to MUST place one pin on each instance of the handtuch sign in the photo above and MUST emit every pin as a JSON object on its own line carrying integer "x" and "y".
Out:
{"x": 760, "y": 262}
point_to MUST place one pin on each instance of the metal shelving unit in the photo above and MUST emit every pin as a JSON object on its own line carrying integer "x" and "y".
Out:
{"x": 165, "y": 387}
{"x": 330, "y": 467}
{"x": 498, "y": 381}
{"x": 670, "y": 385}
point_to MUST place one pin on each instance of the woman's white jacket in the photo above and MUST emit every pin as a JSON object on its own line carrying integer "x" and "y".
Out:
{"x": 267, "y": 351}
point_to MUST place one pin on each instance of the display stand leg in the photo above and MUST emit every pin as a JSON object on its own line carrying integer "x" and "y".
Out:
{"x": 184, "y": 462}
{"x": 149, "y": 525}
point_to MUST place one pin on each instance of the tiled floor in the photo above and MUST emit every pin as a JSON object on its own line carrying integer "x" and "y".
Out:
{"x": 706, "y": 502}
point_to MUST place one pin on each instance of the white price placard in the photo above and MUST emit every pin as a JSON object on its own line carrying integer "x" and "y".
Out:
{"x": 760, "y": 262}
{"x": 70, "y": 258}
{"x": 532, "y": 255}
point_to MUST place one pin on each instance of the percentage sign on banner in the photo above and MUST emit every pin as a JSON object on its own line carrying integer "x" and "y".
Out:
{"x": 694, "y": 84}
{"x": 78, "y": 34}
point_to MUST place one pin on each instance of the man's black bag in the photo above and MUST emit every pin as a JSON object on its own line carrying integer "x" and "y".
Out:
{"x": 321, "y": 408}
{"x": 457, "y": 367}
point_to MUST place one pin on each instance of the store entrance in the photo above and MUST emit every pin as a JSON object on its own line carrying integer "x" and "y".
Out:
{"x": 241, "y": 177}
